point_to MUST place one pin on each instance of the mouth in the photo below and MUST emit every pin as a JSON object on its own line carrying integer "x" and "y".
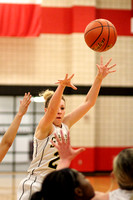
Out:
{"x": 58, "y": 117}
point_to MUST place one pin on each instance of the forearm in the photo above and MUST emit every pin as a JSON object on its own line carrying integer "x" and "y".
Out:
{"x": 94, "y": 91}
{"x": 63, "y": 163}
{"x": 10, "y": 134}
{"x": 56, "y": 98}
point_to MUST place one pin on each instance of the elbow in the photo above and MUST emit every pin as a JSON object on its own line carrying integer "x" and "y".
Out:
{"x": 91, "y": 104}
{"x": 8, "y": 144}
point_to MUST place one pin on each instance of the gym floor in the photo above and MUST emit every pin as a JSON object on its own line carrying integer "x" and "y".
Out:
{"x": 9, "y": 183}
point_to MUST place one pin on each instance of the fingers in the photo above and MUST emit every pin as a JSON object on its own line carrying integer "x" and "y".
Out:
{"x": 106, "y": 65}
{"x": 112, "y": 71}
{"x": 54, "y": 144}
{"x": 108, "y": 62}
{"x": 58, "y": 142}
{"x": 68, "y": 138}
{"x": 62, "y": 137}
{"x": 80, "y": 150}
{"x": 111, "y": 66}
{"x": 101, "y": 60}
{"x": 98, "y": 66}
{"x": 62, "y": 141}
{"x": 66, "y": 76}
{"x": 28, "y": 95}
{"x": 57, "y": 139}
{"x": 71, "y": 77}
{"x": 73, "y": 87}
{"x": 27, "y": 99}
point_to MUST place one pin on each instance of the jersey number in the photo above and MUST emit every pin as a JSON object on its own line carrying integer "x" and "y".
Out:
{"x": 52, "y": 162}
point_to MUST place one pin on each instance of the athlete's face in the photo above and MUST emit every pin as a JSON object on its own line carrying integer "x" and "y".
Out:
{"x": 85, "y": 188}
{"x": 60, "y": 114}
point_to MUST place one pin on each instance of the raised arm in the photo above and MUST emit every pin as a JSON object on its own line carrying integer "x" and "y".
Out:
{"x": 90, "y": 100}
{"x": 45, "y": 124}
{"x": 66, "y": 152}
{"x": 10, "y": 134}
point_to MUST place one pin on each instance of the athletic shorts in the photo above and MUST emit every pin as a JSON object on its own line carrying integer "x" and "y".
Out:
{"x": 28, "y": 186}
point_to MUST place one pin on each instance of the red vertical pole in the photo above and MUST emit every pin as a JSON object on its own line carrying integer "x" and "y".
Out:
{"x": 131, "y": 17}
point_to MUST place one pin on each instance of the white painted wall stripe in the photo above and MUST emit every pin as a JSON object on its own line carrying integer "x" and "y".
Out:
{"x": 68, "y": 3}
{"x": 21, "y": 1}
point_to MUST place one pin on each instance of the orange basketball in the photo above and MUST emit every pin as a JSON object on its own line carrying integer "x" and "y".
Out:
{"x": 100, "y": 35}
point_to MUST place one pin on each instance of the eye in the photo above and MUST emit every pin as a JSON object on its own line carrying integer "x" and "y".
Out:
{"x": 62, "y": 108}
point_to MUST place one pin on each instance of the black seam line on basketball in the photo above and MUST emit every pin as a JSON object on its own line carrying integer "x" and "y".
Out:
{"x": 97, "y": 38}
{"x": 96, "y": 28}
{"x": 108, "y": 37}
{"x": 99, "y": 34}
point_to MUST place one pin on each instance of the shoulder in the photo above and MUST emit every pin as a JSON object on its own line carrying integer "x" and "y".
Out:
{"x": 42, "y": 134}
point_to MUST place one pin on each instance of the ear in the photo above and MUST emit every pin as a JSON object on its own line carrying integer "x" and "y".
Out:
{"x": 78, "y": 191}
{"x": 45, "y": 109}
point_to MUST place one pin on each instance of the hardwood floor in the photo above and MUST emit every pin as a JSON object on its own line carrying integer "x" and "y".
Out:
{"x": 9, "y": 183}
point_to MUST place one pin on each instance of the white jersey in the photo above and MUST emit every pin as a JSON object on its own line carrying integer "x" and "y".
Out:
{"x": 45, "y": 160}
{"x": 120, "y": 194}
{"x": 45, "y": 155}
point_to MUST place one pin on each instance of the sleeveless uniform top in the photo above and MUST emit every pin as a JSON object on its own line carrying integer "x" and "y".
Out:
{"x": 45, "y": 155}
{"x": 120, "y": 194}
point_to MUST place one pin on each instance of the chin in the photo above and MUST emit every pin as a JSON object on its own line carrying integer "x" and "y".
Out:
{"x": 57, "y": 124}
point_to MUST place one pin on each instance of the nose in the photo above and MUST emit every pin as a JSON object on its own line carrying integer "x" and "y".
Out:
{"x": 59, "y": 110}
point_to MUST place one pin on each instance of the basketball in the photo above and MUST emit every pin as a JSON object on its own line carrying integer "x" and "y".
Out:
{"x": 100, "y": 35}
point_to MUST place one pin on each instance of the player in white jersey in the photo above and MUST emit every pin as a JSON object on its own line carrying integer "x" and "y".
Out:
{"x": 55, "y": 117}
{"x": 44, "y": 149}
{"x": 45, "y": 160}
{"x": 123, "y": 174}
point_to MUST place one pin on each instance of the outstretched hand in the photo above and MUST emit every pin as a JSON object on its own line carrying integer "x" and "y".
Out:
{"x": 24, "y": 103}
{"x": 67, "y": 82}
{"x": 66, "y": 152}
{"x": 104, "y": 70}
